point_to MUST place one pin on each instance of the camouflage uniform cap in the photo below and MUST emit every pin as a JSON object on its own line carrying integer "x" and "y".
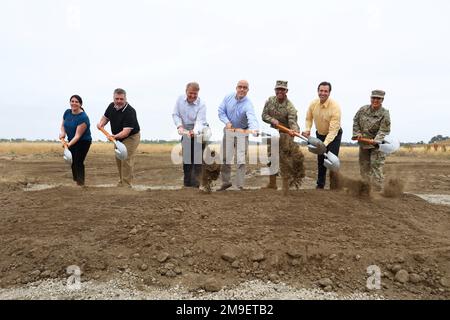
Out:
{"x": 281, "y": 84}
{"x": 378, "y": 94}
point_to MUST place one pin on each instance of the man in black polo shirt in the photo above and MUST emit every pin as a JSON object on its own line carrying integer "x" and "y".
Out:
{"x": 124, "y": 128}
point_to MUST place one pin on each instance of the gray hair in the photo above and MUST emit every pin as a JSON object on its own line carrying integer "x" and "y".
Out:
{"x": 120, "y": 91}
{"x": 193, "y": 85}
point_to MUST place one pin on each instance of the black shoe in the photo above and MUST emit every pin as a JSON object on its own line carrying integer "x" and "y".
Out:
{"x": 224, "y": 187}
{"x": 319, "y": 188}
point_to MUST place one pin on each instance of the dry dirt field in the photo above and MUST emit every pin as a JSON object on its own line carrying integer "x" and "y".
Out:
{"x": 161, "y": 237}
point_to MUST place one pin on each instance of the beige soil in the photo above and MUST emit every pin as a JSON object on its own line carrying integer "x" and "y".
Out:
{"x": 307, "y": 238}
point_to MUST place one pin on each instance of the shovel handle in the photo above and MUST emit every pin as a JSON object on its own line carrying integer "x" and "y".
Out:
{"x": 364, "y": 140}
{"x": 64, "y": 143}
{"x": 286, "y": 130}
{"x": 244, "y": 131}
{"x": 106, "y": 133}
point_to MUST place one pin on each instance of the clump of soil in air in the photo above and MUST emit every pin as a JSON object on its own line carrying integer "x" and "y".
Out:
{"x": 337, "y": 181}
{"x": 356, "y": 187}
{"x": 393, "y": 188}
{"x": 292, "y": 168}
{"x": 210, "y": 173}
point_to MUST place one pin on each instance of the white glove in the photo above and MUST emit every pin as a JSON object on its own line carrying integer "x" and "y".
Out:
{"x": 180, "y": 130}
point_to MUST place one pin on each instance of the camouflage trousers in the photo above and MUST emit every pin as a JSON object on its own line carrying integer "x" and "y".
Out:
{"x": 283, "y": 141}
{"x": 371, "y": 162}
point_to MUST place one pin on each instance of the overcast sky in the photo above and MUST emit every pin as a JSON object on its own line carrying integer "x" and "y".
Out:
{"x": 51, "y": 49}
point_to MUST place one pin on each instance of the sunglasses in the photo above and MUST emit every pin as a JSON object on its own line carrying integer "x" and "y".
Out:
{"x": 376, "y": 98}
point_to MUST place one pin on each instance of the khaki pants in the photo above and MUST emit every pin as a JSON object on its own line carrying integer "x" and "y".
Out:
{"x": 126, "y": 167}
{"x": 234, "y": 145}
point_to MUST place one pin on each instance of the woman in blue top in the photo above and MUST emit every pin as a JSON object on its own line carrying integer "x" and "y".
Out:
{"x": 76, "y": 126}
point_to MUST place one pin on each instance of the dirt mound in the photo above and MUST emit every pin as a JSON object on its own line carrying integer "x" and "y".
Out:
{"x": 178, "y": 237}
{"x": 393, "y": 188}
{"x": 181, "y": 237}
{"x": 292, "y": 167}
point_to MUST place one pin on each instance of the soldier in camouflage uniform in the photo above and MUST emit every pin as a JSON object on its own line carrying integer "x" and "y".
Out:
{"x": 279, "y": 110}
{"x": 372, "y": 122}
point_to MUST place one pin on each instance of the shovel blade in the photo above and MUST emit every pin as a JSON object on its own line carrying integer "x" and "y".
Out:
{"x": 316, "y": 146}
{"x": 389, "y": 145}
{"x": 315, "y": 150}
{"x": 121, "y": 151}
{"x": 331, "y": 161}
{"x": 67, "y": 156}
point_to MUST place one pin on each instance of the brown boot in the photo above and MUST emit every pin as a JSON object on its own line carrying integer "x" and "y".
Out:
{"x": 272, "y": 183}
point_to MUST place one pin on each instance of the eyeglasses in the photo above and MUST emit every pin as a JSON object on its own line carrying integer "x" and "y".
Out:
{"x": 242, "y": 87}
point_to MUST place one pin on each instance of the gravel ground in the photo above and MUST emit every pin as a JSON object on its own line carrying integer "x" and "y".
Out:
{"x": 121, "y": 289}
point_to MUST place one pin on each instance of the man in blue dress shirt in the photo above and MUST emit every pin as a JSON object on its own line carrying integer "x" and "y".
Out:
{"x": 236, "y": 112}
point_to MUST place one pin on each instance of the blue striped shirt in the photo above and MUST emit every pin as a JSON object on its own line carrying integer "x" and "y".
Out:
{"x": 240, "y": 113}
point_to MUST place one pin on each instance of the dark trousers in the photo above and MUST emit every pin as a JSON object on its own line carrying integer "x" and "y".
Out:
{"x": 192, "y": 161}
{"x": 334, "y": 148}
{"x": 79, "y": 151}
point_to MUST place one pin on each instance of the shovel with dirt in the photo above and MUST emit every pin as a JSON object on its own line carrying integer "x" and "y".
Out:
{"x": 67, "y": 154}
{"x": 388, "y": 145}
{"x": 316, "y": 146}
{"x": 120, "y": 150}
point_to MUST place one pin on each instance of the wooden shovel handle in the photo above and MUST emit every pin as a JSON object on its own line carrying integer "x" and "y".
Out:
{"x": 106, "y": 133}
{"x": 364, "y": 140}
{"x": 64, "y": 142}
{"x": 286, "y": 130}
{"x": 244, "y": 131}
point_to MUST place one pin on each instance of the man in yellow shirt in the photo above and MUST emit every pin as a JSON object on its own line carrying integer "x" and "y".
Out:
{"x": 326, "y": 114}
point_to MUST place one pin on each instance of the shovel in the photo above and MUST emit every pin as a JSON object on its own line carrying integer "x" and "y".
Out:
{"x": 204, "y": 136}
{"x": 331, "y": 161}
{"x": 388, "y": 145}
{"x": 67, "y": 154}
{"x": 121, "y": 149}
{"x": 246, "y": 131}
{"x": 315, "y": 145}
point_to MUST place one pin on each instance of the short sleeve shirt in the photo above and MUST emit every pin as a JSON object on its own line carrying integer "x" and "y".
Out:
{"x": 123, "y": 118}
{"x": 72, "y": 121}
